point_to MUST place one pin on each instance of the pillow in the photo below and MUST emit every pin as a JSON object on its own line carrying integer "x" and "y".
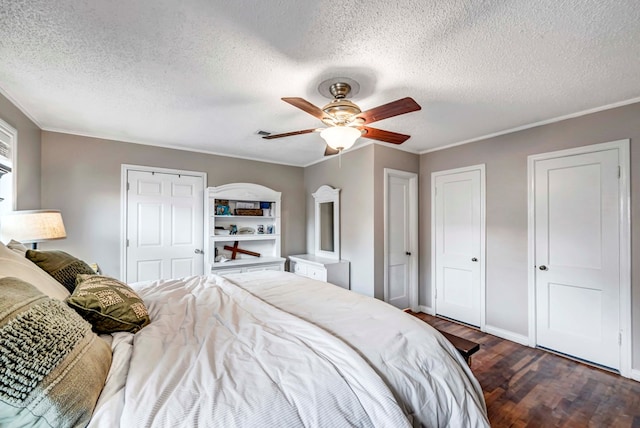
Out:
{"x": 60, "y": 265}
{"x": 18, "y": 247}
{"x": 11, "y": 264}
{"x": 108, "y": 304}
{"x": 53, "y": 366}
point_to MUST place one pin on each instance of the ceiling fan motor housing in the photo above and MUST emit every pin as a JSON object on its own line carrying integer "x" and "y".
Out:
{"x": 341, "y": 110}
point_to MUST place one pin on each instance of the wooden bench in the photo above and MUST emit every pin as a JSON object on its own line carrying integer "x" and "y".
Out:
{"x": 466, "y": 347}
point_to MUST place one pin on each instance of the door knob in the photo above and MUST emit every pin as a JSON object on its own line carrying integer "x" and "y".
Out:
{"x": 198, "y": 251}
{"x": 543, "y": 267}
{"x": 408, "y": 253}
{"x": 474, "y": 259}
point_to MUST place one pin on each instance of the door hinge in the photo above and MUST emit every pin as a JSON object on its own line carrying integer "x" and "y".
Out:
{"x": 127, "y": 186}
{"x": 436, "y": 296}
{"x": 619, "y": 171}
{"x": 127, "y": 242}
{"x": 619, "y": 338}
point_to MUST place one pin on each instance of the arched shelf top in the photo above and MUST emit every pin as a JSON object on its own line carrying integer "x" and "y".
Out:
{"x": 326, "y": 193}
{"x": 249, "y": 191}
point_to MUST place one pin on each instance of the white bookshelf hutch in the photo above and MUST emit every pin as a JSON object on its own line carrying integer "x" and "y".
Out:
{"x": 218, "y": 225}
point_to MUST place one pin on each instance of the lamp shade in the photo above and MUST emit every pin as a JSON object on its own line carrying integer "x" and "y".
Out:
{"x": 340, "y": 137}
{"x": 32, "y": 226}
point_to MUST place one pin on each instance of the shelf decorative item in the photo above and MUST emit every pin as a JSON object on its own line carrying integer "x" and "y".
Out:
{"x": 249, "y": 211}
{"x": 235, "y": 250}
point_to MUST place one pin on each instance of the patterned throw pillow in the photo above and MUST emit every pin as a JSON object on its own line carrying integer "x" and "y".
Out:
{"x": 53, "y": 367}
{"x": 60, "y": 265}
{"x": 108, "y": 304}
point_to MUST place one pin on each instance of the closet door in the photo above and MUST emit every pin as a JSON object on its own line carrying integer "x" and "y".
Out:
{"x": 459, "y": 244}
{"x": 577, "y": 257}
{"x": 164, "y": 225}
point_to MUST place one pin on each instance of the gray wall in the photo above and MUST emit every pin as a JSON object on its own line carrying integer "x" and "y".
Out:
{"x": 355, "y": 179}
{"x": 385, "y": 157}
{"x": 27, "y": 155}
{"x": 506, "y": 206}
{"x": 81, "y": 176}
{"x": 361, "y": 180}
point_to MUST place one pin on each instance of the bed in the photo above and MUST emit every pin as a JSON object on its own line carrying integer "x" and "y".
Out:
{"x": 267, "y": 349}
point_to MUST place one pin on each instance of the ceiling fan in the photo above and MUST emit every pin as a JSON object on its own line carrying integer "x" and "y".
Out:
{"x": 346, "y": 122}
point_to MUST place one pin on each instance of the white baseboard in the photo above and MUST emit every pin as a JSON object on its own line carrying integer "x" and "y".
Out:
{"x": 635, "y": 375}
{"x": 426, "y": 309}
{"x": 506, "y": 334}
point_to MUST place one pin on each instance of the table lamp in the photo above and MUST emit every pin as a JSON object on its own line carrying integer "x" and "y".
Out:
{"x": 33, "y": 226}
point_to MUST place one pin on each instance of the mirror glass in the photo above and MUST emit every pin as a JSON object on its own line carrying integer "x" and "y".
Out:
{"x": 326, "y": 226}
{"x": 327, "y": 222}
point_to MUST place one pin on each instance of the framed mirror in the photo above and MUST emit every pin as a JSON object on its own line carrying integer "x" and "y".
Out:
{"x": 327, "y": 222}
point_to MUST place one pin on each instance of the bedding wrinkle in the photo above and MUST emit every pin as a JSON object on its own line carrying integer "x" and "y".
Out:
{"x": 216, "y": 355}
{"x": 425, "y": 373}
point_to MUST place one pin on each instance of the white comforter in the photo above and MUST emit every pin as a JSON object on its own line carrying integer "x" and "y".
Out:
{"x": 260, "y": 350}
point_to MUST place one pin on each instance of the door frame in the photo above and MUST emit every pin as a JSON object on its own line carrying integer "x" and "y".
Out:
{"x": 413, "y": 234}
{"x": 483, "y": 239}
{"x": 124, "y": 171}
{"x": 624, "y": 221}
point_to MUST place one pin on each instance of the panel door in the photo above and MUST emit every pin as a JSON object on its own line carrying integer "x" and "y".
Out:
{"x": 398, "y": 242}
{"x": 164, "y": 226}
{"x": 577, "y": 257}
{"x": 458, "y": 246}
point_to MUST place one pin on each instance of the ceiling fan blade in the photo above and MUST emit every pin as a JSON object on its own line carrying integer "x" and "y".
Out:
{"x": 289, "y": 134}
{"x": 381, "y": 135}
{"x": 306, "y": 106}
{"x": 394, "y": 108}
{"x": 329, "y": 151}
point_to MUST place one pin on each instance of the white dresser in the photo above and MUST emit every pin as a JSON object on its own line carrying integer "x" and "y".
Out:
{"x": 321, "y": 268}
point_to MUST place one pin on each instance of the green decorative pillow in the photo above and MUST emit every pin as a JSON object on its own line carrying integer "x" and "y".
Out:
{"x": 60, "y": 265}
{"x": 108, "y": 304}
{"x": 14, "y": 265}
{"x": 53, "y": 367}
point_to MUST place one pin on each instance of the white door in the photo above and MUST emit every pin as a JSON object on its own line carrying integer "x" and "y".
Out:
{"x": 459, "y": 244}
{"x": 164, "y": 225}
{"x": 577, "y": 280}
{"x": 401, "y": 239}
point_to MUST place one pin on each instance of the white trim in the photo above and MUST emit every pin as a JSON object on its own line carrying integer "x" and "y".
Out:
{"x": 483, "y": 237}
{"x": 413, "y": 234}
{"x": 426, "y": 310}
{"x": 624, "y": 199}
{"x": 124, "y": 169}
{"x": 13, "y": 135}
{"x": 506, "y": 334}
{"x": 635, "y": 375}
{"x": 19, "y": 106}
{"x": 536, "y": 124}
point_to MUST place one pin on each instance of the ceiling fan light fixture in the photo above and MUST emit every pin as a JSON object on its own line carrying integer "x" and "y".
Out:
{"x": 340, "y": 137}
{"x": 342, "y": 110}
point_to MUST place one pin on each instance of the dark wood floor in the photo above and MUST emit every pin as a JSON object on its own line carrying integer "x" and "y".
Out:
{"x": 527, "y": 387}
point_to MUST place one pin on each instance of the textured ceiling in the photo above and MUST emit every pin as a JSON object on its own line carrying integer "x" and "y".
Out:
{"x": 206, "y": 75}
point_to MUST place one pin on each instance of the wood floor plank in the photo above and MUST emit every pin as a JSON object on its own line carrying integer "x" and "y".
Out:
{"x": 527, "y": 387}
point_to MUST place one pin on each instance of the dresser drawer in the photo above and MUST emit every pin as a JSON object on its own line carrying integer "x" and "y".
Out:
{"x": 317, "y": 273}
{"x": 300, "y": 269}
{"x": 322, "y": 269}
